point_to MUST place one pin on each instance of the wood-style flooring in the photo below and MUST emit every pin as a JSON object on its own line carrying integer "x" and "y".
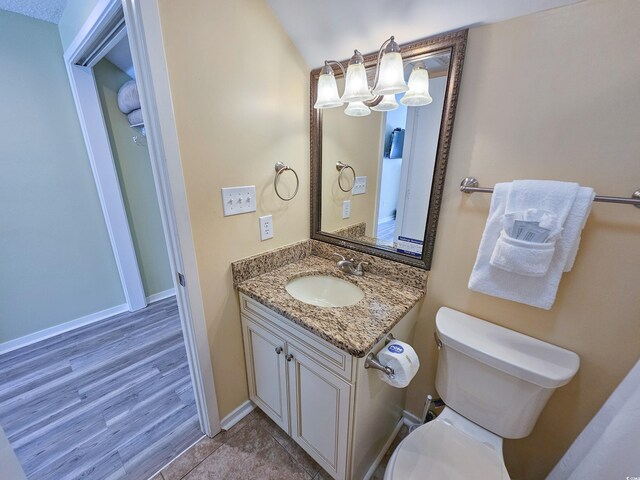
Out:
{"x": 112, "y": 400}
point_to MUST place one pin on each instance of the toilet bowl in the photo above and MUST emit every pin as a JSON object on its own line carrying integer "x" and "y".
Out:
{"x": 448, "y": 448}
{"x": 494, "y": 383}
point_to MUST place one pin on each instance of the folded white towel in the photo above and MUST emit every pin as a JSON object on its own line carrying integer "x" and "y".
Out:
{"x": 128, "y": 98}
{"x": 522, "y": 257}
{"x": 135, "y": 117}
{"x": 564, "y": 222}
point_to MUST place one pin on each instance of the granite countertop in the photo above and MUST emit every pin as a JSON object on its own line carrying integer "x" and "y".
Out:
{"x": 354, "y": 329}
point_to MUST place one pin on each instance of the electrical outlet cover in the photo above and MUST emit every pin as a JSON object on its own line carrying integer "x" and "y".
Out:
{"x": 266, "y": 227}
{"x": 346, "y": 209}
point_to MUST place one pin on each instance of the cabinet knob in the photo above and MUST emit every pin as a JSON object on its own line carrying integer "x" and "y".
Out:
{"x": 278, "y": 350}
{"x": 289, "y": 357}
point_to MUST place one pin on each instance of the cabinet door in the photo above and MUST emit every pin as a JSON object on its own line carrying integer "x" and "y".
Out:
{"x": 319, "y": 411}
{"x": 266, "y": 370}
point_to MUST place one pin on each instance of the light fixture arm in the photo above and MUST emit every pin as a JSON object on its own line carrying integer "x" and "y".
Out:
{"x": 328, "y": 63}
{"x": 380, "y": 52}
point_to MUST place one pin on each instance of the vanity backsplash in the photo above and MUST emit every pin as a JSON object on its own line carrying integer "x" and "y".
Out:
{"x": 256, "y": 265}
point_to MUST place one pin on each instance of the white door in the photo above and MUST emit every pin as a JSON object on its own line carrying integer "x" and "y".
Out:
{"x": 319, "y": 412}
{"x": 418, "y": 162}
{"x": 264, "y": 353}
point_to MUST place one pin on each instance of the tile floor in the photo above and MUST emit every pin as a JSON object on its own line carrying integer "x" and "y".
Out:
{"x": 254, "y": 449}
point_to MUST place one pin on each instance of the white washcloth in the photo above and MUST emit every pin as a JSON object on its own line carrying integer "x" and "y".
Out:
{"x": 536, "y": 291}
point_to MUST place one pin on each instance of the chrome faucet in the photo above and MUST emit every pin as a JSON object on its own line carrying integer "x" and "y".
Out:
{"x": 349, "y": 267}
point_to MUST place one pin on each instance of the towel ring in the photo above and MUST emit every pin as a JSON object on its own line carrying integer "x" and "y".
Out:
{"x": 280, "y": 169}
{"x": 341, "y": 167}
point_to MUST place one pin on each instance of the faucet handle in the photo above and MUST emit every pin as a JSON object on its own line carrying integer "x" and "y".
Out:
{"x": 360, "y": 266}
{"x": 338, "y": 255}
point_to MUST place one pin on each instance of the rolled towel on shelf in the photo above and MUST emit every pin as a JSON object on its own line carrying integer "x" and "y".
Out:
{"x": 128, "y": 98}
{"x": 135, "y": 117}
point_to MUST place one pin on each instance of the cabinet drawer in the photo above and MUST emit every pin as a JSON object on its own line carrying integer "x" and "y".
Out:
{"x": 321, "y": 351}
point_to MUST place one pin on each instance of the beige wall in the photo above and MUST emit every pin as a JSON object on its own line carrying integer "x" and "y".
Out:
{"x": 240, "y": 93}
{"x": 549, "y": 96}
{"x": 356, "y": 142}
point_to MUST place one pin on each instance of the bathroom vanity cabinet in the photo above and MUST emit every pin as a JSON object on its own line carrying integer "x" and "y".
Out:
{"x": 340, "y": 413}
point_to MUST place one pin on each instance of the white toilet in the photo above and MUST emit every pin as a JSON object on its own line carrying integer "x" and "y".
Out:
{"x": 494, "y": 382}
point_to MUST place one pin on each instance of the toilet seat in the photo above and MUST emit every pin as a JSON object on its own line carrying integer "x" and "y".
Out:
{"x": 446, "y": 450}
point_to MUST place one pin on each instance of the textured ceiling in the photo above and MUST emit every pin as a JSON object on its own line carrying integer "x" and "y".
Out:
{"x": 47, "y": 10}
{"x": 332, "y": 29}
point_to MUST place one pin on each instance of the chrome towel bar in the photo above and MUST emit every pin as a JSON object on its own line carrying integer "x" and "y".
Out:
{"x": 470, "y": 185}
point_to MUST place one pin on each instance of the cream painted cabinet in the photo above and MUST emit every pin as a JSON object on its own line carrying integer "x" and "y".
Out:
{"x": 319, "y": 404}
{"x": 341, "y": 414}
{"x": 303, "y": 397}
{"x": 265, "y": 357}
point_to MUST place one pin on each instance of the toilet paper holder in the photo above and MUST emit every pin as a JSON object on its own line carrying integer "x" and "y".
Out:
{"x": 372, "y": 360}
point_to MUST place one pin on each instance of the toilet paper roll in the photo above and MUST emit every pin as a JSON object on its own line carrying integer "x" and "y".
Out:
{"x": 403, "y": 359}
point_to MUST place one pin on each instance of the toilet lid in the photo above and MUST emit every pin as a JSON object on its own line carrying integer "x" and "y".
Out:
{"x": 439, "y": 451}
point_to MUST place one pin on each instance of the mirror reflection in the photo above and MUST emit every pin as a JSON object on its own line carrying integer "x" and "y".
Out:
{"x": 377, "y": 169}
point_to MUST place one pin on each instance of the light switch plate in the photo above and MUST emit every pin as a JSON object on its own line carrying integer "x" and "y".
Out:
{"x": 346, "y": 209}
{"x": 359, "y": 186}
{"x": 266, "y": 227}
{"x": 236, "y": 200}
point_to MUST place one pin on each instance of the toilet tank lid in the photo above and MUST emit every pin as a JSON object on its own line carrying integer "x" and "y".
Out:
{"x": 525, "y": 357}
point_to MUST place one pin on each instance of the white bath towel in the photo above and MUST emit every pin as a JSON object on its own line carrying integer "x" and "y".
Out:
{"x": 537, "y": 291}
{"x": 135, "y": 117}
{"x": 128, "y": 98}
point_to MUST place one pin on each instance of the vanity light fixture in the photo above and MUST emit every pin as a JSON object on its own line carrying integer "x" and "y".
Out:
{"x": 389, "y": 81}
{"x": 357, "y": 109}
{"x": 418, "y": 94}
{"x": 387, "y": 104}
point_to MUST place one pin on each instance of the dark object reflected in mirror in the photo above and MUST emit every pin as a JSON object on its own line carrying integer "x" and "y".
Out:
{"x": 389, "y": 207}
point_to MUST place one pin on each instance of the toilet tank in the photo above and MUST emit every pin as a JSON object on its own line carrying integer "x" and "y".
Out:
{"x": 495, "y": 377}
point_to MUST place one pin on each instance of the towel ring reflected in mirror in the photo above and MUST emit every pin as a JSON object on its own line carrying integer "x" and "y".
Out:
{"x": 280, "y": 169}
{"x": 341, "y": 167}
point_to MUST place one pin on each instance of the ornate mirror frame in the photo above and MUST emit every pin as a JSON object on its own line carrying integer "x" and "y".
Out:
{"x": 455, "y": 43}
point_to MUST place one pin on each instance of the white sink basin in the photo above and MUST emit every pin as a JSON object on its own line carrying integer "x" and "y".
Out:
{"x": 324, "y": 291}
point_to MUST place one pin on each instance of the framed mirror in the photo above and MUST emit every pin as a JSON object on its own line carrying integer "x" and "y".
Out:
{"x": 377, "y": 179}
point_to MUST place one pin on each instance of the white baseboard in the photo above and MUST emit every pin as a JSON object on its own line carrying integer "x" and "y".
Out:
{"x": 156, "y": 297}
{"x": 236, "y": 415}
{"x": 383, "y": 451}
{"x": 62, "y": 328}
{"x": 77, "y": 323}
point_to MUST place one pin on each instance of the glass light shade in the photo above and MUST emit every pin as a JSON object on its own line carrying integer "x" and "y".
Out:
{"x": 356, "y": 88}
{"x": 418, "y": 94}
{"x": 391, "y": 76}
{"x": 387, "y": 104}
{"x": 327, "y": 92}
{"x": 357, "y": 109}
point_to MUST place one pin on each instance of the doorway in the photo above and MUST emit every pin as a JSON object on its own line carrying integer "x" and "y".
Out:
{"x": 120, "y": 382}
{"x": 105, "y": 27}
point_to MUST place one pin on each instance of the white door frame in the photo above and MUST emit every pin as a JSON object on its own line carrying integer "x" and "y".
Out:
{"x": 145, "y": 40}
